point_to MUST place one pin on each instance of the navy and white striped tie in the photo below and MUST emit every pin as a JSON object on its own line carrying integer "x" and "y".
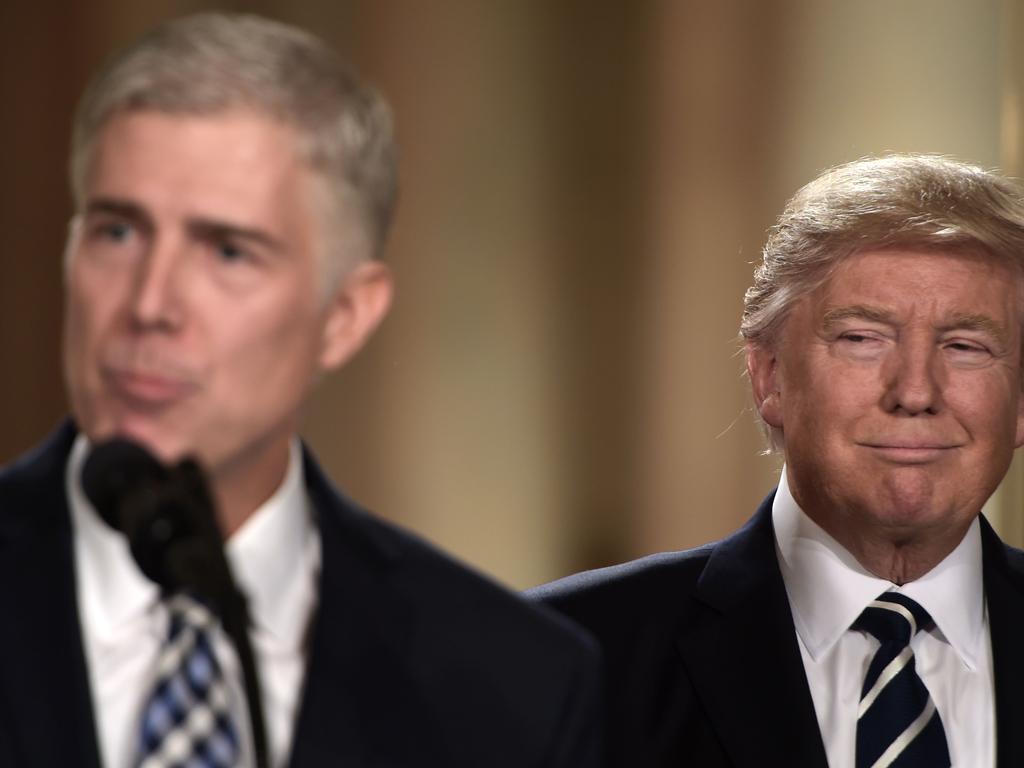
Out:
{"x": 897, "y": 723}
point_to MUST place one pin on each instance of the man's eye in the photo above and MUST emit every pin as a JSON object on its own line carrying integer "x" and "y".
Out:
{"x": 966, "y": 347}
{"x": 860, "y": 345}
{"x": 856, "y": 338}
{"x": 231, "y": 252}
{"x": 116, "y": 231}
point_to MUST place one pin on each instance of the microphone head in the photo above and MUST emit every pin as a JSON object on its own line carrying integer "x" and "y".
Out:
{"x": 114, "y": 470}
{"x": 135, "y": 494}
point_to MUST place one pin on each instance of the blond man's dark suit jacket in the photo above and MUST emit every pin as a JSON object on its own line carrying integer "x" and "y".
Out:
{"x": 702, "y": 662}
{"x": 414, "y": 660}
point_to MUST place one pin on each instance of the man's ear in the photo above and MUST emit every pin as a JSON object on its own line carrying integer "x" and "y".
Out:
{"x": 763, "y": 368}
{"x": 355, "y": 309}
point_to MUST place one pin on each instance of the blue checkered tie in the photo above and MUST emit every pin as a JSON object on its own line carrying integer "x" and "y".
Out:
{"x": 897, "y": 723}
{"x": 186, "y": 722}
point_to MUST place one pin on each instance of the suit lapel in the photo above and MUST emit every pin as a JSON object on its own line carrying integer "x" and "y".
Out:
{"x": 42, "y": 664}
{"x": 1004, "y": 593}
{"x": 361, "y": 680}
{"x": 743, "y": 658}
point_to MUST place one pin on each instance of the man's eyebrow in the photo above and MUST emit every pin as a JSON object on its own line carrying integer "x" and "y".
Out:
{"x": 959, "y": 322}
{"x": 976, "y": 322}
{"x": 121, "y": 208}
{"x": 213, "y": 229}
{"x": 857, "y": 312}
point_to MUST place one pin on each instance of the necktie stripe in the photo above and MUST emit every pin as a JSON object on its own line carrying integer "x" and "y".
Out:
{"x": 191, "y": 612}
{"x": 894, "y": 668}
{"x": 903, "y": 741}
{"x": 900, "y": 609}
{"x": 172, "y": 654}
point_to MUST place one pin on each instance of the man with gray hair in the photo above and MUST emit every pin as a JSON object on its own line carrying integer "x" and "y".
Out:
{"x": 867, "y": 615}
{"x": 233, "y": 184}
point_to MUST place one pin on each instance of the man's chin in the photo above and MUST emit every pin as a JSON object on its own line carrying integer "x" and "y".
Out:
{"x": 908, "y": 523}
{"x": 167, "y": 448}
{"x": 913, "y": 512}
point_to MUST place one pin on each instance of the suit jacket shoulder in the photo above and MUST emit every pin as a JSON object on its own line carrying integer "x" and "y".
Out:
{"x": 701, "y": 657}
{"x": 406, "y": 635}
{"x": 1004, "y": 595}
{"x": 630, "y": 596}
{"x": 43, "y": 677}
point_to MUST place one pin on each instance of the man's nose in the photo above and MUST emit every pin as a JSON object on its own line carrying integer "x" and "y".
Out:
{"x": 156, "y": 296}
{"x": 914, "y": 376}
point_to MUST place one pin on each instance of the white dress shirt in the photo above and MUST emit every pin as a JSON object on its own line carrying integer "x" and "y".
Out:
{"x": 827, "y": 591}
{"x": 275, "y": 557}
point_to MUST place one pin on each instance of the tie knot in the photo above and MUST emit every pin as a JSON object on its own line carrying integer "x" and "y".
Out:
{"x": 187, "y": 611}
{"x": 893, "y": 618}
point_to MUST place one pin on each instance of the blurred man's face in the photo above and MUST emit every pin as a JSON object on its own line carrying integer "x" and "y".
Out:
{"x": 897, "y": 386}
{"x": 195, "y": 321}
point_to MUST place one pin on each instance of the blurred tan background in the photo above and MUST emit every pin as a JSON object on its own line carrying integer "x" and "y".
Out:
{"x": 585, "y": 187}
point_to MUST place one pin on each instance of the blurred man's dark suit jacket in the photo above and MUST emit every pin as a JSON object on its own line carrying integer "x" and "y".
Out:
{"x": 703, "y": 666}
{"x": 414, "y": 661}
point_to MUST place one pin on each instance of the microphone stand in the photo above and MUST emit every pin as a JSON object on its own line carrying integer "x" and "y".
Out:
{"x": 200, "y": 564}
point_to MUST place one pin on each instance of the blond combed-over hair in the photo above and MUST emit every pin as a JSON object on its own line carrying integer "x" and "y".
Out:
{"x": 896, "y": 201}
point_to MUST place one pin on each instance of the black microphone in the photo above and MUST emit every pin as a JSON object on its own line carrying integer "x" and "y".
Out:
{"x": 169, "y": 518}
{"x": 136, "y": 494}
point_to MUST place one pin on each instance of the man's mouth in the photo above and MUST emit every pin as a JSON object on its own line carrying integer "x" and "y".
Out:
{"x": 911, "y": 451}
{"x": 147, "y": 390}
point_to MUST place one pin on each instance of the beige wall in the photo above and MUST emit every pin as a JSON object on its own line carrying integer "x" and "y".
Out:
{"x": 1006, "y": 508}
{"x": 584, "y": 188}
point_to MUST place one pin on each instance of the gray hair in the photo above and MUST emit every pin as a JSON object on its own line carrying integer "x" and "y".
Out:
{"x": 213, "y": 62}
{"x": 900, "y": 200}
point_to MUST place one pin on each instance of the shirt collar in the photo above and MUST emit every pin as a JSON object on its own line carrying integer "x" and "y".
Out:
{"x": 113, "y": 593}
{"x": 828, "y": 588}
{"x": 274, "y": 557}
